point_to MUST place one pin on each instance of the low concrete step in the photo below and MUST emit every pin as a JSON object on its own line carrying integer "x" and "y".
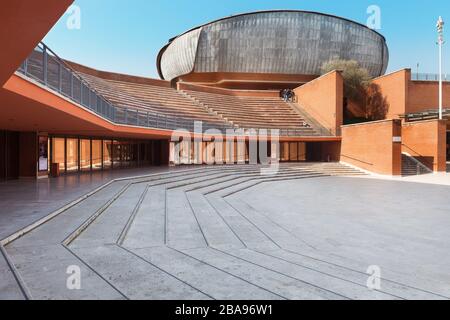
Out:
{"x": 135, "y": 278}
{"x": 9, "y": 287}
{"x": 208, "y": 279}
{"x": 263, "y": 277}
{"x": 355, "y": 290}
{"x": 148, "y": 229}
{"x": 327, "y": 265}
{"x": 107, "y": 228}
{"x": 214, "y": 227}
{"x": 182, "y": 228}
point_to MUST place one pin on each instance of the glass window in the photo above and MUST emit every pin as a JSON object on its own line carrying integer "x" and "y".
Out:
{"x": 134, "y": 154}
{"x": 117, "y": 154}
{"x": 58, "y": 153}
{"x": 85, "y": 154}
{"x": 107, "y": 154}
{"x": 301, "y": 151}
{"x": 72, "y": 155}
{"x": 43, "y": 154}
{"x": 126, "y": 154}
{"x": 293, "y": 151}
{"x": 96, "y": 154}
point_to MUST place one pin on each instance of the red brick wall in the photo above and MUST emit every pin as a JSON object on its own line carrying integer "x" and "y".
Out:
{"x": 323, "y": 99}
{"x": 406, "y": 96}
{"x": 394, "y": 87}
{"x": 426, "y": 140}
{"x": 424, "y": 95}
{"x": 370, "y": 146}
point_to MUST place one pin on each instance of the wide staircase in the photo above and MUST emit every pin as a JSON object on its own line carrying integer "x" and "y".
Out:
{"x": 256, "y": 112}
{"x": 151, "y": 98}
{"x": 413, "y": 167}
{"x": 188, "y": 234}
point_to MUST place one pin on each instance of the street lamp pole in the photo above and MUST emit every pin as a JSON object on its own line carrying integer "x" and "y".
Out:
{"x": 440, "y": 28}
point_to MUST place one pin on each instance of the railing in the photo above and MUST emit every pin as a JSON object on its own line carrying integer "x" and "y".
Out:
{"x": 426, "y": 115}
{"x": 429, "y": 77}
{"x": 45, "y": 67}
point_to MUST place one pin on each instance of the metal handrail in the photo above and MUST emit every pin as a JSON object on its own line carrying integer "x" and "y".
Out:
{"x": 44, "y": 66}
{"x": 429, "y": 77}
{"x": 47, "y": 68}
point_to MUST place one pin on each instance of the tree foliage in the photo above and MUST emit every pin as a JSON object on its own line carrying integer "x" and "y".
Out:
{"x": 359, "y": 88}
{"x": 376, "y": 106}
{"x": 356, "y": 78}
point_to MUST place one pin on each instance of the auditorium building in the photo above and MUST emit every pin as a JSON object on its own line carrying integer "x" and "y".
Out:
{"x": 218, "y": 92}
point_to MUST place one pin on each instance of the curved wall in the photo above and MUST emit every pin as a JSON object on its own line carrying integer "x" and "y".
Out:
{"x": 278, "y": 42}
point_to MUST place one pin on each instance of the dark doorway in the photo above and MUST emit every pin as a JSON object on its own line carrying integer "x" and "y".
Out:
{"x": 448, "y": 146}
{"x": 9, "y": 155}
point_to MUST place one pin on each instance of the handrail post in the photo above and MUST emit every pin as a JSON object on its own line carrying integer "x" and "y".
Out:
{"x": 25, "y": 67}
{"x": 71, "y": 86}
{"x": 89, "y": 99}
{"x": 148, "y": 119}
{"x": 60, "y": 76}
{"x": 44, "y": 61}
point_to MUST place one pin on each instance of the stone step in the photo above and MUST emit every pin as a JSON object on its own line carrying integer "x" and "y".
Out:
{"x": 278, "y": 235}
{"x": 107, "y": 228}
{"x": 44, "y": 271}
{"x": 327, "y": 267}
{"x": 244, "y": 229}
{"x": 135, "y": 278}
{"x": 182, "y": 228}
{"x": 61, "y": 227}
{"x": 285, "y": 286}
{"x": 212, "y": 187}
{"x": 9, "y": 286}
{"x": 148, "y": 228}
{"x": 348, "y": 288}
{"x": 244, "y": 185}
{"x": 214, "y": 227}
{"x": 208, "y": 279}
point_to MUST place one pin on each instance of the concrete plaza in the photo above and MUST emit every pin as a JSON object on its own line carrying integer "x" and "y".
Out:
{"x": 309, "y": 232}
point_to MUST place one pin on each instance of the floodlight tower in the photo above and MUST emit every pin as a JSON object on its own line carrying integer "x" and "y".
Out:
{"x": 440, "y": 29}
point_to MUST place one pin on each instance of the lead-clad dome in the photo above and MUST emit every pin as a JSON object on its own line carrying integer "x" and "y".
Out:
{"x": 273, "y": 42}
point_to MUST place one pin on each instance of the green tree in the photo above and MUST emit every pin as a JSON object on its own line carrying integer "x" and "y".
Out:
{"x": 356, "y": 78}
{"x": 358, "y": 88}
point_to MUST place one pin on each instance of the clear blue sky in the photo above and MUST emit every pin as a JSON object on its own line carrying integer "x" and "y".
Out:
{"x": 126, "y": 35}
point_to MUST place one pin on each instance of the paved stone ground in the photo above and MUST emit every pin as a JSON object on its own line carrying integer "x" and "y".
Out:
{"x": 231, "y": 233}
{"x": 25, "y": 201}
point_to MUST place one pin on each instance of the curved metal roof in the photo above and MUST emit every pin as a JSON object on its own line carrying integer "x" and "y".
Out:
{"x": 385, "y": 53}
